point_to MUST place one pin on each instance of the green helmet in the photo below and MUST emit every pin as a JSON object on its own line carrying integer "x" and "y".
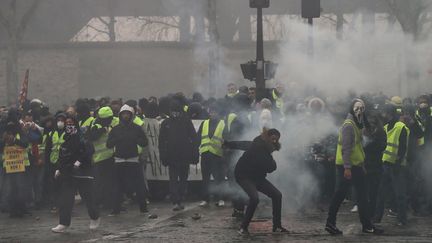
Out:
{"x": 105, "y": 112}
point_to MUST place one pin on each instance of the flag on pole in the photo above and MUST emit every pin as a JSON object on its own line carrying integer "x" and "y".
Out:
{"x": 24, "y": 89}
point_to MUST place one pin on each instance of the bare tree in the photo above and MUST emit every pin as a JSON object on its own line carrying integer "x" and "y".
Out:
{"x": 214, "y": 50}
{"x": 411, "y": 15}
{"x": 15, "y": 26}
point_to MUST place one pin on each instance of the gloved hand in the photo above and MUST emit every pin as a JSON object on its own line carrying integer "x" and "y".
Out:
{"x": 77, "y": 164}
{"x": 56, "y": 174}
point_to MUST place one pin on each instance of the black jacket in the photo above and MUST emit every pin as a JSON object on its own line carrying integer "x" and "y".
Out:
{"x": 125, "y": 137}
{"x": 72, "y": 150}
{"x": 178, "y": 141}
{"x": 256, "y": 162}
{"x": 374, "y": 151}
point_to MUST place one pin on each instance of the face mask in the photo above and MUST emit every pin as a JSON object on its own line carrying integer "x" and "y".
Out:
{"x": 358, "y": 109}
{"x": 71, "y": 130}
{"x": 423, "y": 105}
{"x": 60, "y": 125}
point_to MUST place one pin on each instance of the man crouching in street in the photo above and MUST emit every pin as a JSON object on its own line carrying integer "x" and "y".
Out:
{"x": 251, "y": 171}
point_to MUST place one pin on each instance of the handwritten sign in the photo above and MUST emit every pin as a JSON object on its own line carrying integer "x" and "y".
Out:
{"x": 14, "y": 159}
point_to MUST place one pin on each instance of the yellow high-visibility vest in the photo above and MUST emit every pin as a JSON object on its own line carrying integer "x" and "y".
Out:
{"x": 57, "y": 141}
{"x": 101, "y": 151}
{"x": 213, "y": 144}
{"x": 230, "y": 119}
{"x": 357, "y": 154}
{"x": 392, "y": 149}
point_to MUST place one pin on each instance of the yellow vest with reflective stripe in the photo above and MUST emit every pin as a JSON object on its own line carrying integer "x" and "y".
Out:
{"x": 101, "y": 151}
{"x": 278, "y": 100}
{"x": 140, "y": 122}
{"x": 87, "y": 122}
{"x": 41, "y": 146}
{"x": 230, "y": 119}
{"x": 57, "y": 141}
{"x": 392, "y": 149}
{"x": 357, "y": 154}
{"x": 213, "y": 144}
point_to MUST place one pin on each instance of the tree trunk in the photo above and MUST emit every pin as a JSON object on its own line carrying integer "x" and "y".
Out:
{"x": 214, "y": 50}
{"x": 12, "y": 71}
{"x": 111, "y": 22}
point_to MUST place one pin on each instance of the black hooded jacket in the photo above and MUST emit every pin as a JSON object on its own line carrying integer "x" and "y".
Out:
{"x": 256, "y": 162}
{"x": 75, "y": 149}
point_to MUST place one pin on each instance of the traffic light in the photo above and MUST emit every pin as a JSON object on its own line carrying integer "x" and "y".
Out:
{"x": 311, "y": 9}
{"x": 259, "y": 3}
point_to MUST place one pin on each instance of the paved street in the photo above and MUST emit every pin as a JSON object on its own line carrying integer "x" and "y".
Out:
{"x": 215, "y": 225}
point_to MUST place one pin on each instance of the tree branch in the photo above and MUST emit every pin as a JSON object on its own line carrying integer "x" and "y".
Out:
{"x": 98, "y": 30}
{"x": 103, "y": 21}
{"x": 26, "y": 18}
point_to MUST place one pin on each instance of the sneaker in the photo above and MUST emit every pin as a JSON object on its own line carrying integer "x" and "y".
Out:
{"x": 243, "y": 231}
{"x": 332, "y": 229}
{"x": 178, "y": 207}
{"x": 354, "y": 209}
{"x": 221, "y": 203}
{"x": 280, "y": 229}
{"x": 203, "y": 203}
{"x": 113, "y": 214}
{"x": 59, "y": 228}
{"x": 392, "y": 214}
{"x": 400, "y": 224}
{"x": 94, "y": 224}
{"x": 237, "y": 213}
{"x": 372, "y": 230}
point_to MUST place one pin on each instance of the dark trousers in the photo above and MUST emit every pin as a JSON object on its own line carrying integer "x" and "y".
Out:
{"x": 212, "y": 165}
{"x": 52, "y": 187}
{"x": 16, "y": 192}
{"x": 129, "y": 178}
{"x": 37, "y": 182}
{"x": 252, "y": 188}
{"x": 373, "y": 181}
{"x": 178, "y": 174}
{"x": 69, "y": 186}
{"x": 104, "y": 174}
{"x": 343, "y": 187}
{"x": 396, "y": 180}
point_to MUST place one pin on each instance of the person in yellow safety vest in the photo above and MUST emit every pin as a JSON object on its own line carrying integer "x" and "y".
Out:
{"x": 395, "y": 171}
{"x": 424, "y": 115}
{"x": 14, "y": 145}
{"x": 84, "y": 115}
{"x": 350, "y": 158}
{"x": 48, "y": 125}
{"x": 103, "y": 160}
{"x": 212, "y": 132}
{"x": 52, "y": 150}
{"x": 277, "y": 98}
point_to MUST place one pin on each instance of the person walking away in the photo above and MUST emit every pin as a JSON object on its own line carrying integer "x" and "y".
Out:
{"x": 75, "y": 174}
{"x": 125, "y": 139}
{"x": 178, "y": 147}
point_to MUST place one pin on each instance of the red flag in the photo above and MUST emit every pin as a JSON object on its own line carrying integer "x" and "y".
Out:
{"x": 24, "y": 89}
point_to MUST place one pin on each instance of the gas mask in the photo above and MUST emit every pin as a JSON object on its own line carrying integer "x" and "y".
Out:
{"x": 60, "y": 125}
{"x": 358, "y": 110}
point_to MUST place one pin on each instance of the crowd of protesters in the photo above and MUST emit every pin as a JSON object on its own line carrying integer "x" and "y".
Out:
{"x": 97, "y": 147}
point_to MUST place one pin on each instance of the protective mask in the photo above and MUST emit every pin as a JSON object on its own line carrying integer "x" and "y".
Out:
{"x": 423, "y": 105}
{"x": 60, "y": 125}
{"x": 358, "y": 110}
{"x": 71, "y": 130}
